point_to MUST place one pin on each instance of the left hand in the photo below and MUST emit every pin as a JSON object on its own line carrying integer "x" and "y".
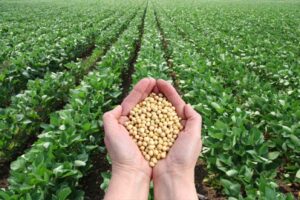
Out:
{"x": 124, "y": 153}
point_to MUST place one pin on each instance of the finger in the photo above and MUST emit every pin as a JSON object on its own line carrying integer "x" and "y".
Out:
{"x": 123, "y": 119}
{"x": 151, "y": 85}
{"x": 171, "y": 94}
{"x": 193, "y": 122}
{"x": 110, "y": 119}
{"x": 156, "y": 90}
{"x": 183, "y": 122}
{"x": 140, "y": 91}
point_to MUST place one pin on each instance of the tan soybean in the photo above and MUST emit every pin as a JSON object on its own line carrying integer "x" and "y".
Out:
{"x": 154, "y": 126}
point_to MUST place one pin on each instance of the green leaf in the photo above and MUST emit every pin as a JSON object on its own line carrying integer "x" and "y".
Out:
{"x": 270, "y": 193}
{"x": 64, "y": 193}
{"x": 4, "y": 195}
{"x": 295, "y": 140}
{"x": 28, "y": 197}
{"x": 217, "y": 135}
{"x": 288, "y": 129}
{"x": 79, "y": 163}
{"x": 18, "y": 164}
{"x": 62, "y": 127}
{"x": 86, "y": 126}
{"x": 231, "y": 172}
{"x": 231, "y": 188}
{"x": 273, "y": 155}
{"x": 106, "y": 178}
{"x": 298, "y": 174}
{"x": 27, "y": 122}
{"x": 19, "y": 117}
{"x": 218, "y": 108}
{"x": 256, "y": 137}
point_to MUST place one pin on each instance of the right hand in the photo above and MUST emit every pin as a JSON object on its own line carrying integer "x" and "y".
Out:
{"x": 182, "y": 158}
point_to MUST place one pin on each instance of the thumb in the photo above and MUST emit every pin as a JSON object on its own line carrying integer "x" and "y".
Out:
{"x": 193, "y": 120}
{"x": 111, "y": 120}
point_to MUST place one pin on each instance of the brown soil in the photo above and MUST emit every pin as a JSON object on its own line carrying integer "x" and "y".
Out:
{"x": 127, "y": 73}
{"x": 293, "y": 188}
{"x": 4, "y": 183}
{"x": 91, "y": 183}
{"x": 88, "y": 52}
{"x": 167, "y": 53}
{"x": 211, "y": 193}
{"x": 205, "y": 192}
{"x": 4, "y": 175}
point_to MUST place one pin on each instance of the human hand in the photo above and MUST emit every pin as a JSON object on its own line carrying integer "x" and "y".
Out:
{"x": 127, "y": 160}
{"x": 129, "y": 168}
{"x": 174, "y": 176}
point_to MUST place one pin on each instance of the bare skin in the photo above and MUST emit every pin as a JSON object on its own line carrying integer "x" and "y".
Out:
{"x": 173, "y": 177}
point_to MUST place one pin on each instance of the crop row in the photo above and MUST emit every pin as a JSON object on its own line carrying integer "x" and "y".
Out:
{"x": 150, "y": 63}
{"x": 126, "y": 73}
{"x": 30, "y": 109}
{"x": 268, "y": 51}
{"x": 267, "y": 107}
{"x": 235, "y": 152}
{"x": 22, "y": 34}
{"x": 52, "y": 167}
{"x": 49, "y": 52}
{"x": 18, "y": 23}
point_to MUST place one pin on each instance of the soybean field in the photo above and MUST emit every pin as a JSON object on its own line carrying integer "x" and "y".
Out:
{"x": 64, "y": 63}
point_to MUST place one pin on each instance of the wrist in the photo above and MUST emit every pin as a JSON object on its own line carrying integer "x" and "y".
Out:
{"x": 131, "y": 174}
{"x": 132, "y": 183}
{"x": 174, "y": 178}
{"x": 175, "y": 185}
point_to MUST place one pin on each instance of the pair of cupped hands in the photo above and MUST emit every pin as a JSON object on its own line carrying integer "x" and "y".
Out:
{"x": 173, "y": 177}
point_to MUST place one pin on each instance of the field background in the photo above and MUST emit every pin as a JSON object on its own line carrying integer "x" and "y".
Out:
{"x": 64, "y": 63}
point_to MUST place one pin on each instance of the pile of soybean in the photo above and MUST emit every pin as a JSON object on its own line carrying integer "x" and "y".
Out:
{"x": 154, "y": 126}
